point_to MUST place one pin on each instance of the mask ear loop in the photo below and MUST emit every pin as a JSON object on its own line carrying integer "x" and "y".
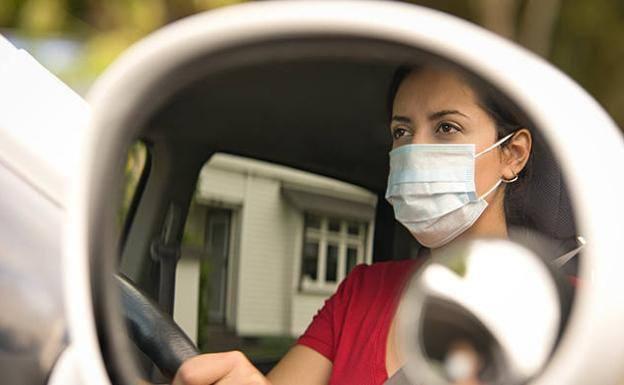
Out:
{"x": 495, "y": 145}
{"x": 500, "y": 180}
{"x": 506, "y": 181}
{"x": 491, "y": 190}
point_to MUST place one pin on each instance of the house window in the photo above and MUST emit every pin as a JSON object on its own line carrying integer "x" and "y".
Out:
{"x": 331, "y": 248}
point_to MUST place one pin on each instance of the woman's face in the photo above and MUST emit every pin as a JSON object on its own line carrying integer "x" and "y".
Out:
{"x": 434, "y": 106}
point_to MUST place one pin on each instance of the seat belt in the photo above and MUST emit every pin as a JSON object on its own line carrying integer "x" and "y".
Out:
{"x": 560, "y": 261}
{"x": 166, "y": 251}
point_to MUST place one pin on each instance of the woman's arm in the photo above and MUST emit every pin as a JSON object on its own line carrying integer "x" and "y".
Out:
{"x": 301, "y": 365}
{"x": 219, "y": 368}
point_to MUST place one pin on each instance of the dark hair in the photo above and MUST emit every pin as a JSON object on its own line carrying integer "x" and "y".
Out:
{"x": 507, "y": 119}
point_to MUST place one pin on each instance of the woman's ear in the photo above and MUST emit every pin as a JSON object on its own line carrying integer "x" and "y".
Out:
{"x": 516, "y": 153}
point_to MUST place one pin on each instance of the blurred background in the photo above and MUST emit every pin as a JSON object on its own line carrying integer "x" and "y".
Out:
{"x": 77, "y": 39}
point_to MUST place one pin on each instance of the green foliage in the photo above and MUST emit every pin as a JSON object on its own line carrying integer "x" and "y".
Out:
{"x": 586, "y": 42}
{"x": 107, "y": 27}
{"x": 41, "y": 16}
{"x": 203, "y": 320}
{"x": 8, "y": 9}
{"x": 588, "y": 47}
{"x": 463, "y": 9}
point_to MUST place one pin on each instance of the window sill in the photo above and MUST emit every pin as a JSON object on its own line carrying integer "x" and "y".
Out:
{"x": 317, "y": 289}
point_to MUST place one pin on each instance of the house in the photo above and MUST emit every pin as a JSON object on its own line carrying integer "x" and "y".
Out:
{"x": 265, "y": 245}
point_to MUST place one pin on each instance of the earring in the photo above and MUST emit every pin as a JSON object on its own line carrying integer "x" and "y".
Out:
{"x": 515, "y": 178}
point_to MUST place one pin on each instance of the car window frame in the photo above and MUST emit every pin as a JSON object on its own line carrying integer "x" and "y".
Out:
{"x": 136, "y": 197}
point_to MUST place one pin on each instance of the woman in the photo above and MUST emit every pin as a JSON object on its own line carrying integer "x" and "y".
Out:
{"x": 435, "y": 194}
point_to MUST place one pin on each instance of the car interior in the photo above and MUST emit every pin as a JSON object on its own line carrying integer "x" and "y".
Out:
{"x": 316, "y": 105}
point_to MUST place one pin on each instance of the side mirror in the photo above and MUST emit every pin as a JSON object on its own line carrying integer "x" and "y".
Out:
{"x": 491, "y": 312}
{"x": 187, "y": 83}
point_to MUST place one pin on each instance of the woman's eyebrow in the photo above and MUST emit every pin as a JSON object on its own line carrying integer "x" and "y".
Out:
{"x": 401, "y": 119}
{"x": 439, "y": 114}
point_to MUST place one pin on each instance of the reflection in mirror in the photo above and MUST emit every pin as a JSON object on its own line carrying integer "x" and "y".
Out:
{"x": 490, "y": 312}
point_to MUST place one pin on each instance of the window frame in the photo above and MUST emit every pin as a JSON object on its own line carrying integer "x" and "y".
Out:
{"x": 139, "y": 189}
{"x": 323, "y": 237}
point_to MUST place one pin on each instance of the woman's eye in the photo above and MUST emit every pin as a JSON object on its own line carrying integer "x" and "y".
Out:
{"x": 447, "y": 128}
{"x": 398, "y": 133}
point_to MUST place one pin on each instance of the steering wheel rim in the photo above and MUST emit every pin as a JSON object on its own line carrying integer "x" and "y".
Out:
{"x": 153, "y": 331}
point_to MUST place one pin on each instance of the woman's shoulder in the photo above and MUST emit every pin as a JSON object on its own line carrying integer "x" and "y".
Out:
{"x": 387, "y": 267}
{"x": 380, "y": 275}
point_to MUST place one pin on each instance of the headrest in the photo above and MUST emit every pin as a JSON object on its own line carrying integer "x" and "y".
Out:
{"x": 543, "y": 218}
{"x": 546, "y": 202}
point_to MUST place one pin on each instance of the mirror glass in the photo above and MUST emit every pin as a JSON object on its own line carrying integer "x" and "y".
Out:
{"x": 277, "y": 169}
{"x": 470, "y": 316}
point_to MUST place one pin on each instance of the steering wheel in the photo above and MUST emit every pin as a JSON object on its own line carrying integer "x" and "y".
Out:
{"x": 153, "y": 331}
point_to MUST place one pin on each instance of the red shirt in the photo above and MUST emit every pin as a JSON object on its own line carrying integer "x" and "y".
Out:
{"x": 351, "y": 329}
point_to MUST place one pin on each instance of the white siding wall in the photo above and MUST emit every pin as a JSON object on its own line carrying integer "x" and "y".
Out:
{"x": 220, "y": 185}
{"x": 214, "y": 186}
{"x": 263, "y": 296}
{"x": 187, "y": 296}
{"x": 226, "y": 188}
{"x": 233, "y": 276}
{"x": 265, "y": 266}
{"x": 304, "y": 308}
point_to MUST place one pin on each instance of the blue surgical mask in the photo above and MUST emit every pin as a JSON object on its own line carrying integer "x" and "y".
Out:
{"x": 432, "y": 189}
